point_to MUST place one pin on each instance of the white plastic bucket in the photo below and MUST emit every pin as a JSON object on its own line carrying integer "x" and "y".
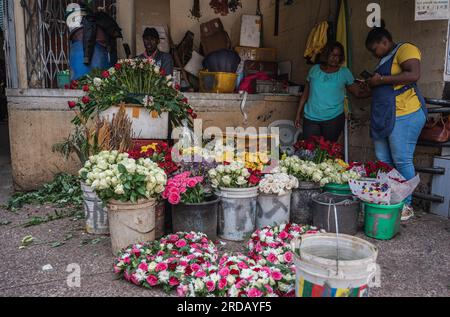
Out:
{"x": 237, "y": 213}
{"x": 320, "y": 274}
{"x": 95, "y": 213}
{"x": 273, "y": 210}
{"x": 131, "y": 223}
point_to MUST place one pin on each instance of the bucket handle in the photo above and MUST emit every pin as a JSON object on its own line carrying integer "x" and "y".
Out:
{"x": 337, "y": 231}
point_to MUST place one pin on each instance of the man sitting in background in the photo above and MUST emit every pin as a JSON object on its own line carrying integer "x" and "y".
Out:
{"x": 151, "y": 42}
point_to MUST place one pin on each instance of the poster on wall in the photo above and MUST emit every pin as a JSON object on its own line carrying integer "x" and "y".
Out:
{"x": 432, "y": 10}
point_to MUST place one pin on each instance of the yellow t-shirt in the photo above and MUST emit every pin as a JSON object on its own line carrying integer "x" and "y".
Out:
{"x": 407, "y": 102}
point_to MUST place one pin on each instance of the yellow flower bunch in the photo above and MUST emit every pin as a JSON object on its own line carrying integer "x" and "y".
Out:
{"x": 146, "y": 148}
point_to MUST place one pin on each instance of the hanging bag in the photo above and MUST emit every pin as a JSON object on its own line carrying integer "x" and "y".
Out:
{"x": 436, "y": 131}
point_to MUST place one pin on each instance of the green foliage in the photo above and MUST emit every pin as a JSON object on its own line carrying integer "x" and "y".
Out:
{"x": 64, "y": 191}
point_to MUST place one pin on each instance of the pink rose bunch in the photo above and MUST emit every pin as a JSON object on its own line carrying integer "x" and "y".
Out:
{"x": 182, "y": 188}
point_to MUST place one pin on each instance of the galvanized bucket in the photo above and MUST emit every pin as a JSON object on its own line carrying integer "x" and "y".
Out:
{"x": 197, "y": 217}
{"x": 347, "y": 209}
{"x": 237, "y": 213}
{"x": 131, "y": 223}
{"x": 273, "y": 210}
{"x": 96, "y": 214}
{"x": 334, "y": 266}
{"x": 301, "y": 202}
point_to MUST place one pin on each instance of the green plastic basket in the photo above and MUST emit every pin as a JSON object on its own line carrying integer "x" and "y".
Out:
{"x": 382, "y": 222}
{"x": 63, "y": 78}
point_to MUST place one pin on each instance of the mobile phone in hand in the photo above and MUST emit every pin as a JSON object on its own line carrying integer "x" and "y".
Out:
{"x": 366, "y": 75}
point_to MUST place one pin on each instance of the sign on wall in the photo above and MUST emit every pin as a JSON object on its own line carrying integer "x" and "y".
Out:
{"x": 432, "y": 10}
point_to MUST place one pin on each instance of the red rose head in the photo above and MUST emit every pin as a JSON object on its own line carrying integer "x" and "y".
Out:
{"x": 106, "y": 74}
{"x": 118, "y": 66}
{"x": 86, "y": 99}
{"x": 72, "y": 104}
{"x": 86, "y": 88}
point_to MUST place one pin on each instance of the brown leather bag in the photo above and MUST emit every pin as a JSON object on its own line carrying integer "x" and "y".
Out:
{"x": 436, "y": 131}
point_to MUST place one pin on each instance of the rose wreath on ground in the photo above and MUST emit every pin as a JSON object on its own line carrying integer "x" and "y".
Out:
{"x": 271, "y": 246}
{"x": 237, "y": 276}
{"x": 137, "y": 81}
{"x": 188, "y": 262}
{"x": 166, "y": 262}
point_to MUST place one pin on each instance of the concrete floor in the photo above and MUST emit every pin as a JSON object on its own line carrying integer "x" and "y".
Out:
{"x": 416, "y": 263}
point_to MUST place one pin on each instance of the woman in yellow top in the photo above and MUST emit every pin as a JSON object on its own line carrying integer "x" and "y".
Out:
{"x": 398, "y": 109}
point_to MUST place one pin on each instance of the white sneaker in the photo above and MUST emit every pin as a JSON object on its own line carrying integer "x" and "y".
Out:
{"x": 407, "y": 213}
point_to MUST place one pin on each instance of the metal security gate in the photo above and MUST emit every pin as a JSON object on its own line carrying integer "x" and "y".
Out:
{"x": 47, "y": 38}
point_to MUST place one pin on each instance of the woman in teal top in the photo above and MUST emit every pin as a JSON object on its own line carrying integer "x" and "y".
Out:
{"x": 321, "y": 107}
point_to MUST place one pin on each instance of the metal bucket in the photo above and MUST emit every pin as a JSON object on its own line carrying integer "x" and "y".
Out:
{"x": 131, "y": 223}
{"x": 334, "y": 266}
{"x": 273, "y": 210}
{"x": 301, "y": 202}
{"x": 237, "y": 213}
{"x": 348, "y": 209}
{"x": 96, "y": 214}
{"x": 197, "y": 217}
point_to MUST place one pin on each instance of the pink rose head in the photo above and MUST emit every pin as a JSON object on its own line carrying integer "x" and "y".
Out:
{"x": 283, "y": 235}
{"x": 117, "y": 270}
{"x": 161, "y": 267}
{"x": 269, "y": 289}
{"x": 174, "y": 198}
{"x": 277, "y": 276}
{"x": 127, "y": 276}
{"x": 134, "y": 280}
{"x": 127, "y": 260}
{"x": 210, "y": 286}
{"x": 195, "y": 267}
{"x": 222, "y": 283}
{"x": 182, "y": 290}
{"x": 191, "y": 183}
{"x": 271, "y": 258}
{"x": 174, "y": 238}
{"x": 224, "y": 272}
{"x": 258, "y": 247}
{"x": 173, "y": 281}
{"x": 200, "y": 274}
{"x": 181, "y": 243}
{"x": 152, "y": 280}
{"x": 143, "y": 266}
{"x": 190, "y": 236}
{"x": 183, "y": 263}
{"x": 241, "y": 284}
{"x": 242, "y": 265}
{"x": 254, "y": 293}
{"x": 288, "y": 257}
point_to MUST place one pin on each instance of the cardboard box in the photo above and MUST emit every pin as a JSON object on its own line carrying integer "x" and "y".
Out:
{"x": 257, "y": 54}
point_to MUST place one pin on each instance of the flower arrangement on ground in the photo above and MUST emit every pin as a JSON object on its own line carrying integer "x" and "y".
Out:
{"x": 137, "y": 81}
{"x": 167, "y": 262}
{"x": 278, "y": 184}
{"x": 185, "y": 189}
{"x": 234, "y": 175}
{"x": 319, "y": 150}
{"x": 116, "y": 176}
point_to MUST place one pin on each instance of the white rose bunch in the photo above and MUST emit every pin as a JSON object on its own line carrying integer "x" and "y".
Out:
{"x": 234, "y": 175}
{"x": 278, "y": 184}
{"x": 114, "y": 175}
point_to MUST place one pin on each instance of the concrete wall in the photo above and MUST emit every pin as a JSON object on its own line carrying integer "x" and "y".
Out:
{"x": 37, "y": 120}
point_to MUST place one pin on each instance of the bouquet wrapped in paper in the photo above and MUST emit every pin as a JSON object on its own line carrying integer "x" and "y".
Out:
{"x": 387, "y": 189}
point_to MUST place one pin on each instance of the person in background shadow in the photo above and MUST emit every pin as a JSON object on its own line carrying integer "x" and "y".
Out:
{"x": 151, "y": 41}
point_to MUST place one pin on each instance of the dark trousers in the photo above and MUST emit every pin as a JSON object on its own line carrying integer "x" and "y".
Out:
{"x": 331, "y": 130}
